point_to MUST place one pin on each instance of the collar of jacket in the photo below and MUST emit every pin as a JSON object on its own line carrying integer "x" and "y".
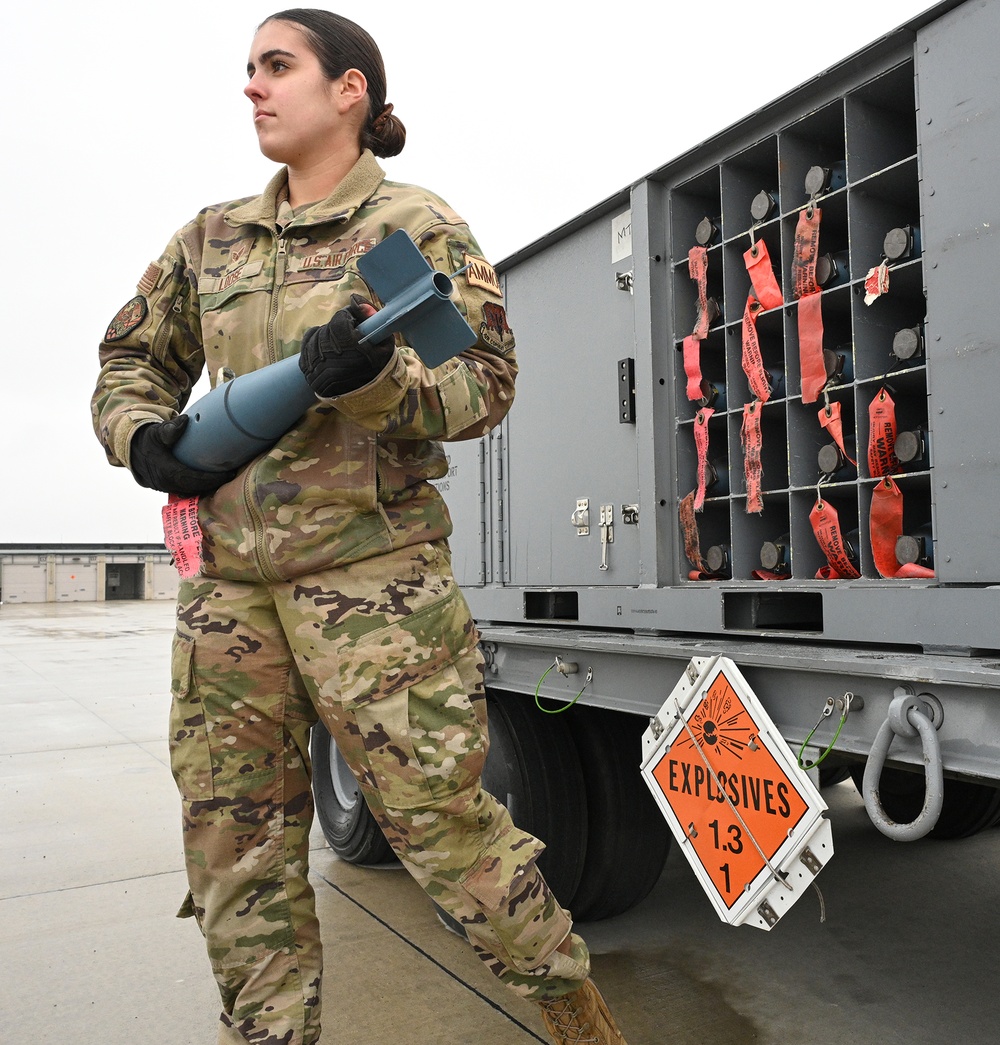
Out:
{"x": 361, "y": 182}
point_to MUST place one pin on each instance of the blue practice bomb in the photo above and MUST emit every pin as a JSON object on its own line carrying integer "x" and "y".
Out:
{"x": 246, "y": 416}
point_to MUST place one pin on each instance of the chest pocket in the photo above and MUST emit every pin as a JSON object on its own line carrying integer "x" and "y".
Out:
{"x": 238, "y": 310}
{"x": 310, "y": 297}
{"x": 235, "y": 312}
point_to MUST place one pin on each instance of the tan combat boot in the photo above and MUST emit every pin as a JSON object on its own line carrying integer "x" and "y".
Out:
{"x": 582, "y": 1016}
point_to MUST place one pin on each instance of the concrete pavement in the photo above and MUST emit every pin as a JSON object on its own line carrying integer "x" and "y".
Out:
{"x": 91, "y": 953}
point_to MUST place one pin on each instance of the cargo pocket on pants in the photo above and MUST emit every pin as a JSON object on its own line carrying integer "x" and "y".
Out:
{"x": 517, "y": 902}
{"x": 395, "y": 768}
{"x": 189, "y": 909}
{"x": 190, "y": 759}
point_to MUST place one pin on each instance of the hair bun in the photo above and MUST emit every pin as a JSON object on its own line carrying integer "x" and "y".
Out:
{"x": 387, "y": 135}
{"x": 378, "y": 124}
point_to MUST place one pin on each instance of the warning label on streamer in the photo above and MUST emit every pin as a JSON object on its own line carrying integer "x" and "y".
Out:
{"x": 182, "y": 535}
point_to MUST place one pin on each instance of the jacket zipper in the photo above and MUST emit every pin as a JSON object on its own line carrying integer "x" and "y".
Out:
{"x": 279, "y": 278}
{"x": 163, "y": 334}
{"x": 264, "y": 564}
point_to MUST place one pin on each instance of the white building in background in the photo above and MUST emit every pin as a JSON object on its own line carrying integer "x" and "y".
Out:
{"x": 85, "y": 572}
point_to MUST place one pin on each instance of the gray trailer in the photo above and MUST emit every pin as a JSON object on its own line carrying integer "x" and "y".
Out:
{"x": 672, "y": 484}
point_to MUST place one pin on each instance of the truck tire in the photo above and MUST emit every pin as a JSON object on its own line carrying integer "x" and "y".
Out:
{"x": 968, "y": 807}
{"x": 627, "y": 836}
{"x": 828, "y": 776}
{"x": 534, "y": 770}
{"x": 347, "y": 823}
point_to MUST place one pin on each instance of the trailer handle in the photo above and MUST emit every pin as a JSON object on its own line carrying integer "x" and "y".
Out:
{"x": 909, "y": 715}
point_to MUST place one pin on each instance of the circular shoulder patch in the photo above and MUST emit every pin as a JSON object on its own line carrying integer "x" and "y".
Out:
{"x": 130, "y": 315}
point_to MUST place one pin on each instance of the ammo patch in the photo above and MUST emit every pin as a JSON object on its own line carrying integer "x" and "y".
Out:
{"x": 150, "y": 278}
{"x": 480, "y": 273}
{"x": 130, "y": 315}
{"x": 494, "y": 329}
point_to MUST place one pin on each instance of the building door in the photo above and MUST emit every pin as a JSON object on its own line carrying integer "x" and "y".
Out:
{"x": 124, "y": 580}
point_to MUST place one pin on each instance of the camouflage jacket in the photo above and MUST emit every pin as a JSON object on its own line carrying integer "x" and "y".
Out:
{"x": 234, "y": 291}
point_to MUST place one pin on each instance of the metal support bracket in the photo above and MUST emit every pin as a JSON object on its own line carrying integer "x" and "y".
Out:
{"x": 808, "y": 857}
{"x": 626, "y": 391}
{"x": 767, "y": 912}
{"x": 581, "y": 517}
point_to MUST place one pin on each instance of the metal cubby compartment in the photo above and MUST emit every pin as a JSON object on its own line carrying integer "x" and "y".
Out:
{"x": 856, "y": 159}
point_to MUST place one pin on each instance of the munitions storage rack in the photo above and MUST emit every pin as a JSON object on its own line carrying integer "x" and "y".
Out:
{"x": 868, "y": 139}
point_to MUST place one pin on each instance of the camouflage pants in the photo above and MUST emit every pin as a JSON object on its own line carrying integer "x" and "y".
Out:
{"x": 385, "y": 652}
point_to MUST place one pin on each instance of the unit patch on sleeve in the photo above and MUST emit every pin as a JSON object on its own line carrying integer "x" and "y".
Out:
{"x": 480, "y": 273}
{"x": 494, "y": 329}
{"x": 130, "y": 315}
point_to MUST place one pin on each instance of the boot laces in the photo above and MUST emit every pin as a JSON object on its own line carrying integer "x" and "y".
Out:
{"x": 565, "y": 1019}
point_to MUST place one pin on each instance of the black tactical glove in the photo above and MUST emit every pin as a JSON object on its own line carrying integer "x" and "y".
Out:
{"x": 154, "y": 465}
{"x": 333, "y": 360}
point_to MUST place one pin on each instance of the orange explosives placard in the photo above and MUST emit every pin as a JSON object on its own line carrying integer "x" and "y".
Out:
{"x": 764, "y": 801}
{"x": 745, "y": 814}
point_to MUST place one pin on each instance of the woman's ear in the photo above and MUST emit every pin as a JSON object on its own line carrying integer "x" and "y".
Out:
{"x": 351, "y": 88}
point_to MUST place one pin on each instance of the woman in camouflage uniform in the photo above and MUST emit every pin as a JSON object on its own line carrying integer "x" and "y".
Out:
{"x": 322, "y": 585}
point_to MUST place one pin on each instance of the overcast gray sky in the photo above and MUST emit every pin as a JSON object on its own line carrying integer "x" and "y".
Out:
{"x": 121, "y": 120}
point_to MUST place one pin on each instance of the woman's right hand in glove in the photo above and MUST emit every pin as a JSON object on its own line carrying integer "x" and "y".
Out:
{"x": 154, "y": 466}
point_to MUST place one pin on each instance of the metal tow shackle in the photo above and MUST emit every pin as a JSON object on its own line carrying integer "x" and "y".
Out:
{"x": 909, "y": 715}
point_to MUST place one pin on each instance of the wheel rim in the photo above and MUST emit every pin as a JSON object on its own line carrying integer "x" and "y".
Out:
{"x": 345, "y": 787}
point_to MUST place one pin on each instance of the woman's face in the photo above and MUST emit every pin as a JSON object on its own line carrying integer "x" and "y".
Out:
{"x": 300, "y": 116}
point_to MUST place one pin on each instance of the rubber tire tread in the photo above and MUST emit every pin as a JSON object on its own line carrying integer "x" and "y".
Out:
{"x": 828, "y": 776}
{"x": 628, "y": 838}
{"x": 533, "y": 769}
{"x": 352, "y": 832}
